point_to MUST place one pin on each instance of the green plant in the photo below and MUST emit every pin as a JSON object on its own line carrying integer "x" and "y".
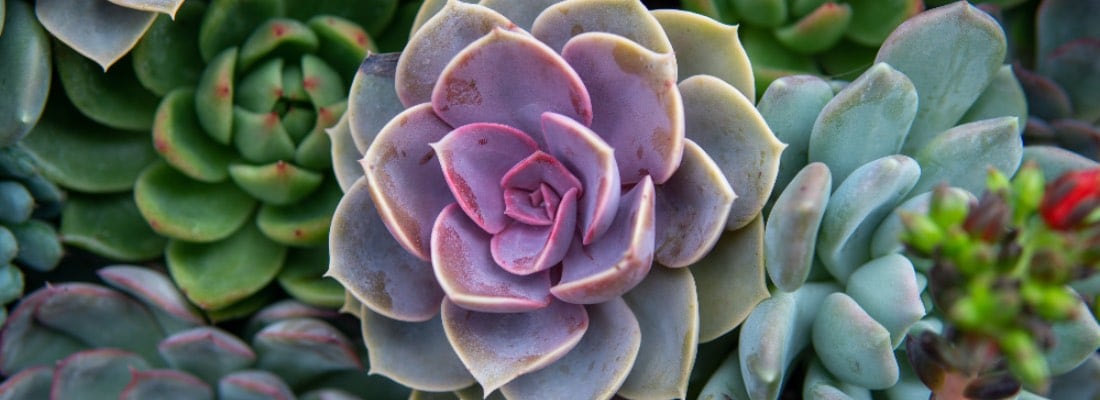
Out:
{"x": 56, "y": 345}
{"x": 539, "y": 189}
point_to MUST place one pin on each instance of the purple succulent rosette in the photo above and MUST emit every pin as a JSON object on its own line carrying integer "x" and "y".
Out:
{"x": 534, "y": 178}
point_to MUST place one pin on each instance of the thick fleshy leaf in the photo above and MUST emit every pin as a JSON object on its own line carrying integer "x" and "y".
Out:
{"x": 636, "y": 105}
{"x": 961, "y": 156}
{"x": 691, "y": 208}
{"x": 214, "y": 96}
{"x": 31, "y": 383}
{"x": 228, "y": 23}
{"x": 886, "y": 288}
{"x": 1055, "y": 161}
{"x": 343, "y": 43}
{"x": 704, "y": 46}
{"x": 305, "y": 223}
{"x": 286, "y": 309}
{"x": 345, "y": 156}
{"x": 373, "y": 266}
{"x": 281, "y": 34}
{"x": 947, "y": 87}
{"x": 522, "y": 14}
{"x": 300, "y": 350}
{"x": 278, "y": 183}
{"x": 39, "y": 246}
{"x": 1074, "y": 65}
{"x": 852, "y": 346}
{"x": 436, "y": 43}
{"x": 593, "y": 161}
{"x": 95, "y": 374}
{"x": 109, "y": 225}
{"x": 113, "y": 98}
{"x": 618, "y": 261}
{"x": 465, "y": 269}
{"x": 630, "y": 19}
{"x": 179, "y": 139}
{"x": 793, "y": 225}
{"x": 726, "y": 383}
{"x": 821, "y": 385}
{"x": 596, "y": 367}
{"x": 372, "y": 101}
{"x": 105, "y": 33}
{"x": 873, "y": 20}
{"x": 181, "y": 208}
{"x": 161, "y": 71}
{"x": 524, "y": 249}
{"x": 261, "y": 137}
{"x": 1060, "y": 21}
{"x": 207, "y": 352}
{"x": 665, "y": 305}
{"x": 867, "y": 120}
{"x": 1075, "y": 340}
{"x": 774, "y": 333}
{"x": 26, "y": 343}
{"x": 155, "y": 289}
{"x": 726, "y": 124}
{"x": 215, "y": 275}
{"x": 766, "y": 13}
{"x": 25, "y": 49}
{"x": 730, "y": 281}
{"x": 165, "y": 384}
{"x": 1003, "y": 97}
{"x": 399, "y": 155}
{"x": 416, "y": 354}
{"x": 857, "y": 207}
{"x": 253, "y": 385}
{"x": 497, "y": 348}
{"x": 321, "y": 82}
{"x": 78, "y": 310}
{"x": 817, "y": 31}
{"x": 790, "y": 107}
{"x": 168, "y": 7}
{"x": 479, "y": 85}
{"x": 303, "y": 277}
{"x": 475, "y": 158}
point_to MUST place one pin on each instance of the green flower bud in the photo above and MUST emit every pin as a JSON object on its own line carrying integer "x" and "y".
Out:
{"x": 1028, "y": 187}
{"x": 948, "y": 207}
{"x": 921, "y": 232}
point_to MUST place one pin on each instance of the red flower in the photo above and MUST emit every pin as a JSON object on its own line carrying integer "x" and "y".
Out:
{"x": 1071, "y": 198}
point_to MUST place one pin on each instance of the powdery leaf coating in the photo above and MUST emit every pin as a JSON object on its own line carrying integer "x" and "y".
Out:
{"x": 427, "y": 363}
{"x": 689, "y": 224}
{"x": 99, "y": 30}
{"x": 852, "y": 346}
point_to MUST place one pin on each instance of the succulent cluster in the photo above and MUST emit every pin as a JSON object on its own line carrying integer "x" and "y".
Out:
{"x": 1008, "y": 272}
{"x": 213, "y": 153}
{"x": 820, "y": 37}
{"x": 56, "y": 345}
{"x": 544, "y": 233}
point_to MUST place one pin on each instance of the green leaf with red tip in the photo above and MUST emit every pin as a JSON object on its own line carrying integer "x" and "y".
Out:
{"x": 303, "y": 277}
{"x": 228, "y": 23}
{"x": 315, "y": 150}
{"x": 216, "y": 275}
{"x": 111, "y": 226}
{"x": 180, "y": 140}
{"x": 95, "y": 374}
{"x": 277, "y": 37}
{"x": 343, "y": 43}
{"x": 279, "y": 183}
{"x": 375, "y": 18}
{"x": 873, "y": 20}
{"x": 304, "y": 223}
{"x": 292, "y": 83}
{"x": 214, "y": 95}
{"x": 298, "y": 121}
{"x": 262, "y": 87}
{"x": 161, "y": 71}
{"x": 81, "y": 155}
{"x": 114, "y": 98}
{"x": 818, "y": 31}
{"x": 25, "y": 72}
{"x": 182, "y": 208}
{"x": 260, "y": 137}
{"x": 321, "y": 82}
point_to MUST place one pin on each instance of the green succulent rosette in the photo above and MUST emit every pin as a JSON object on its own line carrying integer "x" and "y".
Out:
{"x": 836, "y": 38}
{"x": 207, "y": 143}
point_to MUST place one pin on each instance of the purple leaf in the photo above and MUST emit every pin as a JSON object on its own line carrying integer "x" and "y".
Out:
{"x": 465, "y": 269}
{"x": 426, "y": 363}
{"x": 663, "y": 304}
{"x": 400, "y": 155}
{"x": 497, "y": 348}
{"x": 481, "y": 85}
{"x": 525, "y": 249}
{"x": 436, "y": 43}
{"x": 596, "y": 367}
{"x": 593, "y": 161}
{"x": 635, "y": 103}
{"x": 630, "y": 19}
{"x": 692, "y": 208}
{"x": 475, "y": 158}
{"x": 373, "y": 267}
{"x": 619, "y": 260}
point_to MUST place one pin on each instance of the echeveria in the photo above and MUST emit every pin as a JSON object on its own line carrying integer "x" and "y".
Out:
{"x": 102, "y": 30}
{"x": 25, "y": 72}
{"x": 534, "y": 180}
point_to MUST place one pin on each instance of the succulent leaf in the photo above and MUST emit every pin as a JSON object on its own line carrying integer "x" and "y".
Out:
{"x": 707, "y": 47}
{"x": 31, "y": 383}
{"x": 687, "y": 224}
{"x": 372, "y": 101}
{"x": 303, "y": 277}
{"x": 300, "y": 350}
{"x": 101, "y": 373}
{"x": 429, "y": 362}
{"x": 166, "y": 384}
{"x": 966, "y": 146}
{"x": 1003, "y": 97}
{"x": 162, "y": 71}
{"x": 195, "y": 267}
{"x": 560, "y": 22}
{"x": 253, "y": 385}
{"x": 793, "y": 227}
{"x": 852, "y": 345}
{"x": 25, "y": 73}
{"x": 169, "y": 306}
{"x": 208, "y": 353}
{"x": 112, "y": 98}
{"x": 790, "y": 107}
{"x": 727, "y": 295}
{"x": 107, "y": 30}
{"x": 179, "y": 138}
{"x": 110, "y": 225}
{"x": 181, "y": 208}
{"x": 669, "y": 340}
{"x": 75, "y": 309}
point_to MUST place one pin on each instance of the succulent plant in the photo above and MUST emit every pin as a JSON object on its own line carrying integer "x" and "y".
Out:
{"x": 858, "y": 155}
{"x": 56, "y": 345}
{"x": 102, "y": 30}
{"x": 216, "y": 122}
{"x": 540, "y": 184}
{"x": 1055, "y": 52}
{"x": 25, "y": 72}
{"x": 821, "y": 37}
